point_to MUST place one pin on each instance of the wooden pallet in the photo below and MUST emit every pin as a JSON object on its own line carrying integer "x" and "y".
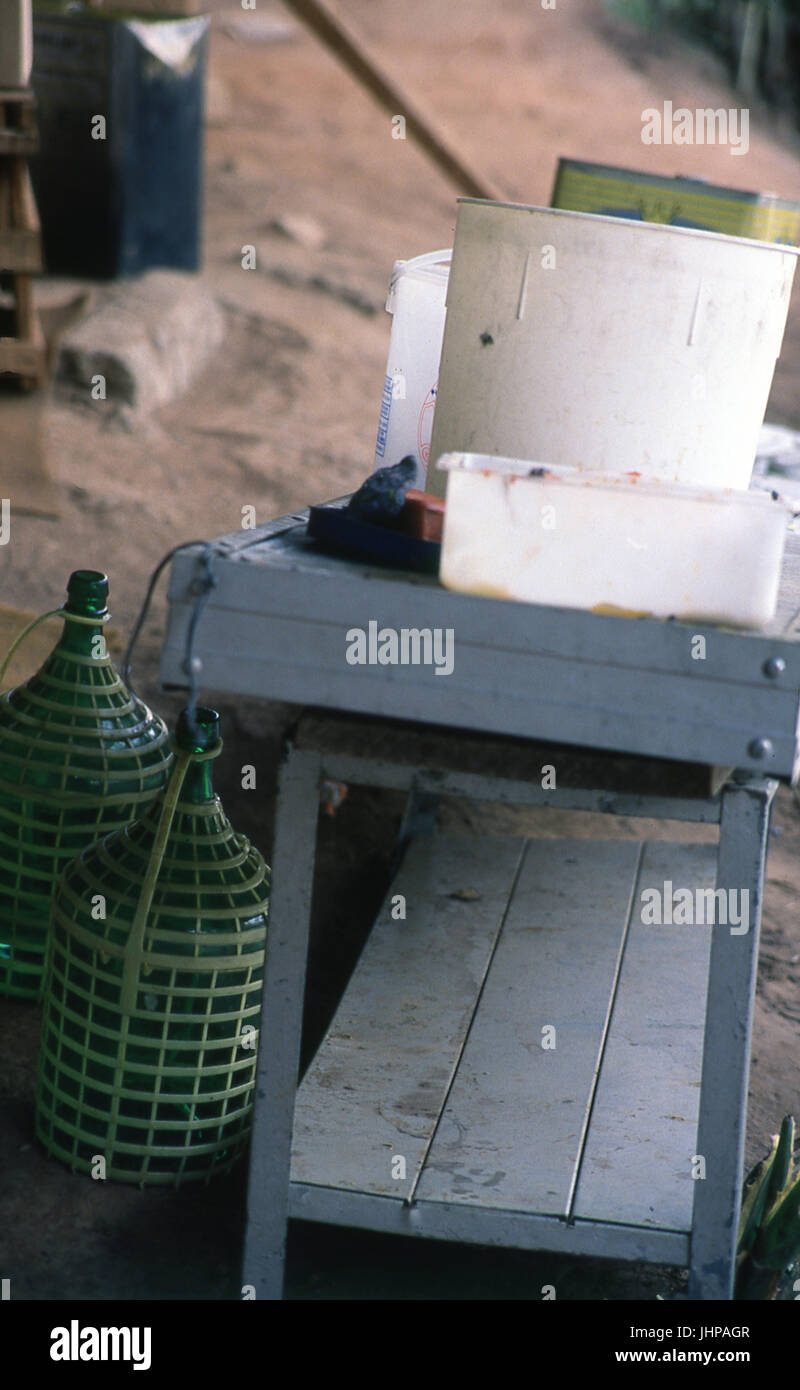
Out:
{"x": 23, "y": 350}
{"x": 19, "y": 133}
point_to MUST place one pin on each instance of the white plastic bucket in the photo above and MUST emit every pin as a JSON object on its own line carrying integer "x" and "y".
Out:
{"x": 607, "y": 344}
{"x": 416, "y": 299}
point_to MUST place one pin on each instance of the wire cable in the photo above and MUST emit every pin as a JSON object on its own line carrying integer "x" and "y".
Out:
{"x": 127, "y": 660}
{"x": 201, "y": 588}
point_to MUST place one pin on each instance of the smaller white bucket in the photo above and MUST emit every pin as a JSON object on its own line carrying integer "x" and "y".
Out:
{"x": 416, "y": 301}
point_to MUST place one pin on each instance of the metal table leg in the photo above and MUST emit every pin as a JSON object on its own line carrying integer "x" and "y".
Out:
{"x": 281, "y": 1023}
{"x": 726, "y": 1053}
{"x": 420, "y": 817}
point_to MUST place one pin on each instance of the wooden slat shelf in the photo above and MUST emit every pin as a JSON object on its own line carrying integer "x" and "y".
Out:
{"x": 435, "y": 1052}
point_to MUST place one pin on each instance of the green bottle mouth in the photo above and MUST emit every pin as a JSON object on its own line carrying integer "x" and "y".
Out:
{"x": 198, "y": 733}
{"x": 87, "y": 593}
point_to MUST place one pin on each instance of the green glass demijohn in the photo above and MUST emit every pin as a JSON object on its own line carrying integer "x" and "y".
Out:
{"x": 153, "y": 989}
{"x": 79, "y": 756}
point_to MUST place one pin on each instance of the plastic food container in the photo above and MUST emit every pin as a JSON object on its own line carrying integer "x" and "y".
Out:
{"x": 416, "y": 298}
{"x": 607, "y": 344}
{"x": 623, "y": 544}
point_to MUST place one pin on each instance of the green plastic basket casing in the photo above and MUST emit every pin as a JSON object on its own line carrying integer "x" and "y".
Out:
{"x": 79, "y": 756}
{"x": 149, "y": 1038}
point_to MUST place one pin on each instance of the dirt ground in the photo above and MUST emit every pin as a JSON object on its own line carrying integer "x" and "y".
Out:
{"x": 286, "y": 415}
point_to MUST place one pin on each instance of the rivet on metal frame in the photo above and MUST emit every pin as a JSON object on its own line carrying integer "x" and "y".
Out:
{"x": 773, "y": 667}
{"x": 760, "y": 748}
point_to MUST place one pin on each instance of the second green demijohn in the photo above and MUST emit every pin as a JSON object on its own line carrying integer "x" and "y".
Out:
{"x": 153, "y": 989}
{"x": 79, "y": 756}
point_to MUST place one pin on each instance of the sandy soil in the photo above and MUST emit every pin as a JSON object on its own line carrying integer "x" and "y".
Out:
{"x": 286, "y": 415}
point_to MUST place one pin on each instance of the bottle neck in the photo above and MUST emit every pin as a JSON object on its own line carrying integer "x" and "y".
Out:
{"x": 198, "y": 784}
{"x": 81, "y": 639}
{"x": 197, "y": 733}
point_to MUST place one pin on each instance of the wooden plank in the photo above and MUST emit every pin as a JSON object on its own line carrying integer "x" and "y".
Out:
{"x": 5, "y": 199}
{"x": 643, "y": 1131}
{"x": 20, "y": 250}
{"x": 15, "y": 170}
{"x": 335, "y": 31}
{"x": 27, "y": 322}
{"x": 482, "y": 1226}
{"x": 377, "y": 1085}
{"x": 20, "y": 238}
{"x": 511, "y": 1133}
{"x": 23, "y": 358}
{"x": 17, "y": 97}
{"x": 19, "y": 136}
{"x": 29, "y": 213}
{"x": 18, "y": 143}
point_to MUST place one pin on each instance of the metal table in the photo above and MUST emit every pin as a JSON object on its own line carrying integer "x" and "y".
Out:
{"x": 553, "y": 1073}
